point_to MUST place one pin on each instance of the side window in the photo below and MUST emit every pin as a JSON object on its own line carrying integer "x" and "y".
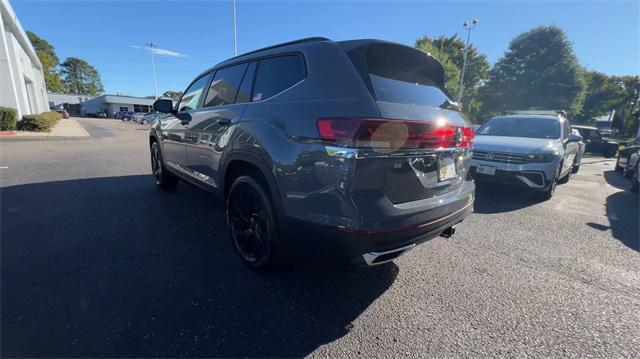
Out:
{"x": 224, "y": 86}
{"x": 276, "y": 75}
{"x": 567, "y": 129}
{"x": 244, "y": 93}
{"x": 192, "y": 95}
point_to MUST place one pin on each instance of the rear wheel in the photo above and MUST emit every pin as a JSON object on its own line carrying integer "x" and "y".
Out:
{"x": 252, "y": 223}
{"x": 164, "y": 179}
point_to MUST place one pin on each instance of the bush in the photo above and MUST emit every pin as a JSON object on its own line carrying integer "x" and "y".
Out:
{"x": 39, "y": 123}
{"x": 8, "y": 118}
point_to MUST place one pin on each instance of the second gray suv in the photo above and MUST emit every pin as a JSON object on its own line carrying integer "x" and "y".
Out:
{"x": 350, "y": 145}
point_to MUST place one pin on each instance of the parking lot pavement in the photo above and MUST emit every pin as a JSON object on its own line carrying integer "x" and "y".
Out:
{"x": 97, "y": 262}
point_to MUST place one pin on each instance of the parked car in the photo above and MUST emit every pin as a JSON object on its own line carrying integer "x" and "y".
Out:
{"x": 332, "y": 142}
{"x": 63, "y": 113}
{"x": 533, "y": 151}
{"x": 624, "y": 156}
{"x": 581, "y": 147}
{"x": 125, "y": 115}
{"x": 633, "y": 170}
{"x": 149, "y": 118}
{"x": 137, "y": 116}
{"x": 595, "y": 143}
{"x": 101, "y": 115}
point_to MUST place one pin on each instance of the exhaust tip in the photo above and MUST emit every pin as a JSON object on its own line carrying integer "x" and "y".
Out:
{"x": 375, "y": 258}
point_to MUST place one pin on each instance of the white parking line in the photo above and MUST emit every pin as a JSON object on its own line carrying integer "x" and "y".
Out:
{"x": 3, "y": 167}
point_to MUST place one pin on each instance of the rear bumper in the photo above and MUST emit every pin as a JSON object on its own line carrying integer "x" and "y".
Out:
{"x": 370, "y": 247}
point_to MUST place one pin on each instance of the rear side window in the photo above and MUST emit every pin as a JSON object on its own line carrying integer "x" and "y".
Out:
{"x": 225, "y": 84}
{"x": 404, "y": 75}
{"x": 276, "y": 75}
{"x": 244, "y": 93}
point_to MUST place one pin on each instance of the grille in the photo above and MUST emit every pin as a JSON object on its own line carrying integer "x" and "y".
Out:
{"x": 498, "y": 157}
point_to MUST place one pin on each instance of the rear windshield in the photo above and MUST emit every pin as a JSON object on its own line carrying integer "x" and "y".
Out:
{"x": 404, "y": 75}
{"x": 521, "y": 127}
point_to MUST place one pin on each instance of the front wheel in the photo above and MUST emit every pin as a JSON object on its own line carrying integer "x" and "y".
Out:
{"x": 252, "y": 223}
{"x": 548, "y": 193}
{"x": 164, "y": 179}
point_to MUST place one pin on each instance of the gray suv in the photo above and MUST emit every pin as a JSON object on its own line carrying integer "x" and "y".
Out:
{"x": 533, "y": 151}
{"x": 353, "y": 146}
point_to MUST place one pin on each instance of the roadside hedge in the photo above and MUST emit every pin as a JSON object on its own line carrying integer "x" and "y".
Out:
{"x": 8, "y": 118}
{"x": 43, "y": 122}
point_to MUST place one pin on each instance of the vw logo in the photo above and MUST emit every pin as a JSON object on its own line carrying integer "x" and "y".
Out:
{"x": 490, "y": 155}
{"x": 458, "y": 136}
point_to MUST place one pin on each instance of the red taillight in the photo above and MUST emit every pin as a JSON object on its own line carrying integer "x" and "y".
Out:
{"x": 393, "y": 134}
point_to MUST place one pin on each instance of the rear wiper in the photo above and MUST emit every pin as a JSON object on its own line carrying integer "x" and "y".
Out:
{"x": 450, "y": 105}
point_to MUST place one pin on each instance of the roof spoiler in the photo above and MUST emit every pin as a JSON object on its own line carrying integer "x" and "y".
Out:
{"x": 562, "y": 113}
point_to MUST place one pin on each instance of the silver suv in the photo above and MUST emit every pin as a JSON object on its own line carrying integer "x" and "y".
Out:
{"x": 534, "y": 151}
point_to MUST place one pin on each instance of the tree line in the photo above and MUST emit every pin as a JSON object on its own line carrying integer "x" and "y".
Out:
{"x": 74, "y": 75}
{"x": 539, "y": 71}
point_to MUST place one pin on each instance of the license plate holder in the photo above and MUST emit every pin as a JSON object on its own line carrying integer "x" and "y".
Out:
{"x": 446, "y": 169}
{"x": 486, "y": 170}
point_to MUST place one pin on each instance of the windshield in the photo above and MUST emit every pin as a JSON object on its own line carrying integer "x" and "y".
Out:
{"x": 532, "y": 127}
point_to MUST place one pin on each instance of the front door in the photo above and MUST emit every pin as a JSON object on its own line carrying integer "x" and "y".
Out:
{"x": 174, "y": 125}
{"x": 211, "y": 127}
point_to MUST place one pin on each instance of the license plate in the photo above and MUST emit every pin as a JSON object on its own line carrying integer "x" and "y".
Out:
{"x": 486, "y": 170}
{"x": 446, "y": 169}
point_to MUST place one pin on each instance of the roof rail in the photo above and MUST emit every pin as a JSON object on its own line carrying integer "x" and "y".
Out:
{"x": 307, "y": 39}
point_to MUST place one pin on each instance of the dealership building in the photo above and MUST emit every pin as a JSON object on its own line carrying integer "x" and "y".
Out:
{"x": 83, "y": 105}
{"x": 22, "y": 83}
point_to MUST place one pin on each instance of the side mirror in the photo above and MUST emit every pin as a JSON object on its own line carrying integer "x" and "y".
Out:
{"x": 574, "y": 138}
{"x": 163, "y": 105}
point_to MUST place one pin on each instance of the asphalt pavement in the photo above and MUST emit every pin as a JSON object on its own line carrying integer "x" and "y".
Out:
{"x": 97, "y": 262}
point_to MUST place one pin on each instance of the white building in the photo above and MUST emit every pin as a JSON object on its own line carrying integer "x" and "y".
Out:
{"x": 73, "y": 103}
{"x": 21, "y": 78}
{"x": 110, "y": 104}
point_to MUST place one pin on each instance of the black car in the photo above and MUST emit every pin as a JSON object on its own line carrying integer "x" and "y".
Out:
{"x": 352, "y": 145}
{"x": 595, "y": 143}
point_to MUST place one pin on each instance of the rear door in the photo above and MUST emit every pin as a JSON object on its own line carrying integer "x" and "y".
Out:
{"x": 174, "y": 126}
{"x": 408, "y": 88}
{"x": 208, "y": 132}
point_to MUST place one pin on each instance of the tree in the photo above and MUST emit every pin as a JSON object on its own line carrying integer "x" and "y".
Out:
{"x": 450, "y": 52}
{"x": 602, "y": 95}
{"x": 539, "y": 71}
{"x": 49, "y": 60}
{"x": 80, "y": 77}
{"x": 172, "y": 94}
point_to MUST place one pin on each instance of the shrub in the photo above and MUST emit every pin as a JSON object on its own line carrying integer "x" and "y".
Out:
{"x": 39, "y": 123}
{"x": 8, "y": 118}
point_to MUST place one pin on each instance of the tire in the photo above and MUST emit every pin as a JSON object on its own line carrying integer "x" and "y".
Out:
{"x": 618, "y": 168}
{"x": 164, "y": 179}
{"x": 566, "y": 178}
{"x": 575, "y": 169}
{"x": 252, "y": 224}
{"x": 548, "y": 193}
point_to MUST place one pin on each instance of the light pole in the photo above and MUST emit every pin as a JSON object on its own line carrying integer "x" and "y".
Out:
{"x": 235, "y": 40}
{"x": 474, "y": 23}
{"x": 152, "y": 46}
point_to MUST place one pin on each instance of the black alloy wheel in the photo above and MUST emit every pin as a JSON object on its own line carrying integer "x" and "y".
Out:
{"x": 164, "y": 179}
{"x": 251, "y": 222}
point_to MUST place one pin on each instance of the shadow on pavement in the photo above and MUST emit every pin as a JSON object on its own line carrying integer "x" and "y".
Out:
{"x": 624, "y": 218}
{"x": 113, "y": 267}
{"x": 497, "y": 198}
{"x": 616, "y": 179}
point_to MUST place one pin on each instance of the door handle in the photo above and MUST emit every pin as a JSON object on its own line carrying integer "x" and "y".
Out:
{"x": 223, "y": 122}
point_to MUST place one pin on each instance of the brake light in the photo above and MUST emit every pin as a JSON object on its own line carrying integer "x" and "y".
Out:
{"x": 393, "y": 134}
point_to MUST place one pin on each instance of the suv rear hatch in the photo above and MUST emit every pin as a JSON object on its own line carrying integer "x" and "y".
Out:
{"x": 421, "y": 138}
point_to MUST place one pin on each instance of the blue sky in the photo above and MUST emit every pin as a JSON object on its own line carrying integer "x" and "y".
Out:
{"x": 605, "y": 34}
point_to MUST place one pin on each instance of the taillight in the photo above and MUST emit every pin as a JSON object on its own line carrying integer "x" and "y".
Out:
{"x": 393, "y": 134}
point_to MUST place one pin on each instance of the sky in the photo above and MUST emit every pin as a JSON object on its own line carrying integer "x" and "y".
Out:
{"x": 197, "y": 34}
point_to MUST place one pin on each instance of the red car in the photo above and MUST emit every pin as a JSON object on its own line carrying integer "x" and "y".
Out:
{"x": 64, "y": 113}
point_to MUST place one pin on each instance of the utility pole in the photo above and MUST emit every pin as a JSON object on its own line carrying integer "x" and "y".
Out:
{"x": 235, "y": 39}
{"x": 152, "y": 46}
{"x": 465, "y": 24}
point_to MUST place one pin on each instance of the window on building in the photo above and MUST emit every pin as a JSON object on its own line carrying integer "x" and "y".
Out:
{"x": 276, "y": 75}
{"x": 142, "y": 108}
{"x": 124, "y": 109}
{"x": 224, "y": 86}
{"x": 192, "y": 95}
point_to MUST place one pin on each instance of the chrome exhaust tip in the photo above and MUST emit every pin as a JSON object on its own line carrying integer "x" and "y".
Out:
{"x": 375, "y": 258}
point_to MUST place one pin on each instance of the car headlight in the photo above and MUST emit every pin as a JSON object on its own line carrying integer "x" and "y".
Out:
{"x": 542, "y": 157}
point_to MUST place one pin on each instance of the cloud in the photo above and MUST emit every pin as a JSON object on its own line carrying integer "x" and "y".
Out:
{"x": 161, "y": 52}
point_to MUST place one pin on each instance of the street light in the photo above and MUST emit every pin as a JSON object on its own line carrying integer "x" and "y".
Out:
{"x": 235, "y": 41}
{"x": 152, "y": 46}
{"x": 465, "y": 24}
